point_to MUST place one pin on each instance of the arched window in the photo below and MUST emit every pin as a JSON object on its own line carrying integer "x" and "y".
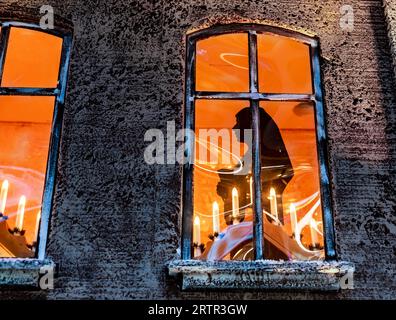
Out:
{"x": 33, "y": 71}
{"x": 258, "y": 185}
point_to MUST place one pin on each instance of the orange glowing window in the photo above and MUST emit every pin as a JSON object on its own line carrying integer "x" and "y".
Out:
{"x": 255, "y": 189}
{"x": 222, "y": 63}
{"x": 31, "y": 96}
{"x": 32, "y": 59}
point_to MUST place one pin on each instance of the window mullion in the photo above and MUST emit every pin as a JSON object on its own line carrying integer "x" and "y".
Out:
{"x": 5, "y": 32}
{"x": 321, "y": 136}
{"x": 189, "y": 125}
{"x": 258, "y": 233}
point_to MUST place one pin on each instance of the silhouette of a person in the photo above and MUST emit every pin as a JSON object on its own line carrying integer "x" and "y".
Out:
{"x": 276, "y": 171}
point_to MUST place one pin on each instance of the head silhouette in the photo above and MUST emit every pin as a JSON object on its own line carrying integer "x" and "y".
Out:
{"x": 244, "y": 121}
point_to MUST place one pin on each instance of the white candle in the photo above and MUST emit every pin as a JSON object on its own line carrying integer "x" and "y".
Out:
{"x": 235, "y": 206}
{"x": 3, "y": 196}
{"x": 314, "y": 235}
{"x": 37, "y": 228}
{"x": 293, "y": 218}
{"x": 197, "y": 236}
{"x": 21, "y": 213}
{"x": 273, "y": 203}
{"x": 216, "y": 218}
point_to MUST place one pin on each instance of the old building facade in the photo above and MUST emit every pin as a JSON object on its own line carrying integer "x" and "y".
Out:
{"x": 116, "y": 220}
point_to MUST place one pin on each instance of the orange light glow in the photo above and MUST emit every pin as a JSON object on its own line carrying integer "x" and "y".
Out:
{"x": 25, "y": 128}
{"x": 222, "y": 63}
{"x": 289, "y": 159}
{"x": 32, "y": 59}
{"x": 284, "y": 65}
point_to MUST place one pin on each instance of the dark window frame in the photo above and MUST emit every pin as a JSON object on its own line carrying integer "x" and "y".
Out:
{"x": 59, "y": 93}
{"x": 254, "y": 97}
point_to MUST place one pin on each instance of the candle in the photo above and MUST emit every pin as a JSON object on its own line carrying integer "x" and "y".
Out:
{"x": 293, "y": 218}
{"x": 21, "y": 213}
{"x": 37, "y": 228}
{"x": 273, "y": 203}
{"x": 197, "y": 236}
{"x": 3, "y": 196}
{"x": 216, "y": 218}
{"x": 314, "y": 235}
{"x": 235, "y": 206}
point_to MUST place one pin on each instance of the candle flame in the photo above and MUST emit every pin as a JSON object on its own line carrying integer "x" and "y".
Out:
{"x": 234, "y": 192}
{"x": 197, "y": 221}
{"x": 21, "y": 213}
{"x": 272, "y": 192}
{"x": 215, "y": 206}
{"x": 3, "y": 195}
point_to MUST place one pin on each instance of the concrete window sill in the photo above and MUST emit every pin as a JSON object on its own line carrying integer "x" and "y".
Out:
{"x": 260, "y": 275}
{"x": 23, "y": 272}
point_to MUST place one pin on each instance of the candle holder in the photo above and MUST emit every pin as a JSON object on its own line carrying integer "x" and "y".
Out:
{"x": 17, "y": 232}
{"x": 214, "y": 236}
{"x": 200, "y": 246}
{"x": 293, "y": 236}
{"x": 14, "y": 242}
{"x": 315, "y": 246}
{"x": 32, "y": 246}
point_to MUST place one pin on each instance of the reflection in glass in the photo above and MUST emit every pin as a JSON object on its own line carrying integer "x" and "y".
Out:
{"x": 223, "y": 228}
{"x": 25, "y": 128}
{"x": 32, "y": 59}
{"x": 293, "y": 228}
{"x": 222, "y": 63}
{"x": 284, "y": 65}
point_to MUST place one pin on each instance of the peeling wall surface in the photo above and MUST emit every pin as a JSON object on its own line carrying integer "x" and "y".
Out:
{"x": 115, "y": 222}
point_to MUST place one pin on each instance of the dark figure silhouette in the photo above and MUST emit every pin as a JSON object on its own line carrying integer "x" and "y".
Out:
{"x": 276, "y": 172}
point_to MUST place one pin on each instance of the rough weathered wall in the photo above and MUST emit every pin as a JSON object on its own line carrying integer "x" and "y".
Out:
{"x": 390, "y": 14}
{"x": 116, "y": 219}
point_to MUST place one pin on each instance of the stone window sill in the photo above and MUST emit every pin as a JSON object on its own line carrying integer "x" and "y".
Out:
{"x": 26, "y": 273}
{"x": 261, "y": 275}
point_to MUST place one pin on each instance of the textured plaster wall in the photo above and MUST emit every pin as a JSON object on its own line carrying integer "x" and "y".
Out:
{"x": 116, "y": 219}
{"x": 390, "y": 13}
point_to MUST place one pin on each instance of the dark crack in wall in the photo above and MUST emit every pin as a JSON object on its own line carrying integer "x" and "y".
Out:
{"x": 115, "y": 221}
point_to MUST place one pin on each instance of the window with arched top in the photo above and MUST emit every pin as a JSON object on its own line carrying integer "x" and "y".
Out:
{"x": 33, "y": 71}
{"x": 257, "y": 183}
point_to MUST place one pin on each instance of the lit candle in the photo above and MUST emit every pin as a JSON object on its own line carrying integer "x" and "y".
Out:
{"x": 251, "y": 188}
{"x": 197, "y": 236}
{"x": 273, "y": 203}
{"x": 314, "y": 235}
{"x": 293, "y": 218}
{"x": 36, "y": 230}
{"x": 235, "y": 205}
{"x": 3, "y": 196}
{"x": 21, "y": 213}
{"x": 216, "y": 218}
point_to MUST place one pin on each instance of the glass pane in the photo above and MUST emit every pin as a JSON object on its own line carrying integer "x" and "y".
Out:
{"x": 25, "y": 128}
{"x": 284, "y": 65}
{"x": 222, "y": 63}
{"x": 290, "y": 182}
{"x": 222, "y": 181}
{"x": 32, "y": 59}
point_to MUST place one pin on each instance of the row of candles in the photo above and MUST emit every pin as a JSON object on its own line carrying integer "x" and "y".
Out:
{"x": 20, "y": 217}
{"x": 235, "y": 216}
